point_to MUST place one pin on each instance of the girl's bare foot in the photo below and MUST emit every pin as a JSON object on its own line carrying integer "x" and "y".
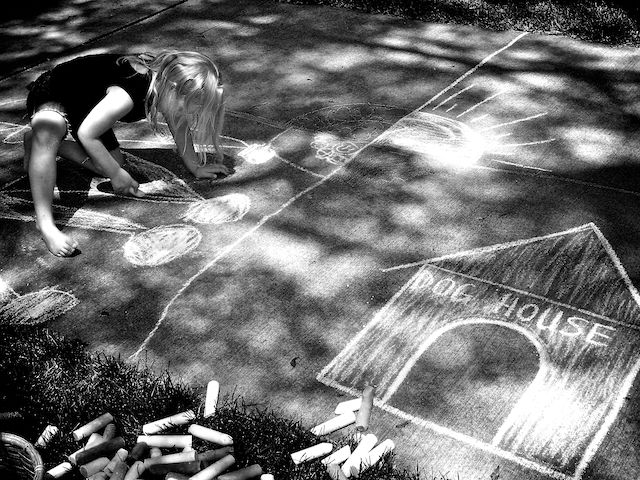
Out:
{"x": 58, "y": 243}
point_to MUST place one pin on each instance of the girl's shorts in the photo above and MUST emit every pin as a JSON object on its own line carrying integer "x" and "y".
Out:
{"x": 40, "y": 98}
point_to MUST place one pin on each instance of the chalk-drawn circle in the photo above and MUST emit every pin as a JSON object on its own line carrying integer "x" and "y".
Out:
{"x": 228, "y": 208}
{"x": 438, "y": 140}
{"x": 161, "y": 245}
{"x": 37, "y": 307}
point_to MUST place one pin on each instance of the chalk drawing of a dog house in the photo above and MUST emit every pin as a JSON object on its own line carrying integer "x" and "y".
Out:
{"x": 525, "y": 349}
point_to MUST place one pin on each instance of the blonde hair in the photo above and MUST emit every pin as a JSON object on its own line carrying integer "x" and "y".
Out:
{"x": 194, "y": 78}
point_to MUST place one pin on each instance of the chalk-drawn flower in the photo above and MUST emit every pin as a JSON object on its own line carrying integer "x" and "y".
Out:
{"x": 337, "y": 153}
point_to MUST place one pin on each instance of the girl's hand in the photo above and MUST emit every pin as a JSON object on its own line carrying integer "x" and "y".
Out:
{"x": 211, "y": 170}
{"x": 124, "y": 184}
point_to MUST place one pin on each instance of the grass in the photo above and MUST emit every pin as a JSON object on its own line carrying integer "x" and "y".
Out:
{"x": 53, "y": 380}
{"x": 611, "y": 22}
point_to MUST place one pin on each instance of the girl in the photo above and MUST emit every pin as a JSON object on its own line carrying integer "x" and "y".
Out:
{"x": 87, "y": 95}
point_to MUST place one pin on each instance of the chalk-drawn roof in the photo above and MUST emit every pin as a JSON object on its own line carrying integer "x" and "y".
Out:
{"x": 577, "y": 267}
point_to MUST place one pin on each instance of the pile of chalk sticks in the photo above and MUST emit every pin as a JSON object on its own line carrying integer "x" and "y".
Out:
{"x": 155, "y": 455}
{"x": 343, "y": 463}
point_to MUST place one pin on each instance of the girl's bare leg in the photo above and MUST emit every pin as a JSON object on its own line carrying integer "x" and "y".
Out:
{"x": 41, "y": 148}
{"x": 71, "y": 151}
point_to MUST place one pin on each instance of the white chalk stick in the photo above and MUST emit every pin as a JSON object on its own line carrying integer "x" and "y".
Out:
{"x": 182, "y": 457}
{"x": 211, "y": 399}
{"x": 336, "y": 423}
{"x": 215, "y": 469}
{"x": 45, "y": 437}
{"x": 210, "y": 435}
{"x": 311, "y": 453}
{"x": 372, "y": 457}
{"x": 94, "y": 439}
{"x": 166, "y": 441}
{"x": 92, "y": 427}
{"x": 366, "y": 444}
{"x": 157, "y": 426}
{"x": 338, "y": 456}
{"x": 335, "y": 472}
{"x": 266, "y": 476}
{"x": 93, "y": 467}
{"x": 60, "y": 470}
{"x": 348, "y": 406}
{"x": 155, "y": 452}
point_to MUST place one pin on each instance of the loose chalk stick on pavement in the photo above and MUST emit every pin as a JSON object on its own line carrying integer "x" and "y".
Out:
{"x": 348, "y": 406}
{"x": 364, "y": 413}
{"x": 210, "y": 435}
{"x": 93, "y": 467}
{"x": 47, "y": 435}
{"x": 366, "y": 444}
{"x": 266, "y": 476}
{"x": 157, "y": 426}
{"x": 60, "y": 470}
{"x": 215, "y": 469}
{"x": 311, "y": 453}
{"x": 338, "y": 456}
{"x": 93, "y": 426}
{"x": 335, "y": 472}
{"x": 166, "y": 441}
{"x": 372, "y": 457}
{"x": 336, "y": 423}
{"x": 211, "y": 398}
{"x": 252, "y": 471}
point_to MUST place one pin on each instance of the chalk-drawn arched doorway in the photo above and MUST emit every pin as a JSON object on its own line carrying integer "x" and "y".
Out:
{"x": 469, "y": 375}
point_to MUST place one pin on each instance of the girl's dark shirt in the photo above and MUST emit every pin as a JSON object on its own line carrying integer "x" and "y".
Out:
{"x": 80, "y": 84}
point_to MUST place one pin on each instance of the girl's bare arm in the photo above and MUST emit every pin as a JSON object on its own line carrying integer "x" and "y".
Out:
{"x": 115, "y": 105}
{"x": 184, "y": 142}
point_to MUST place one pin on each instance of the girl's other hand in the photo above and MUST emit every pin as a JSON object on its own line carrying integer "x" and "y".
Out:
{"x": 211, "y": 170}
{"x": 124, "y": 184}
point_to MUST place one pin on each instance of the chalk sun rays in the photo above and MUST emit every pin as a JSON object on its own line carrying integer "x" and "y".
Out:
{"x": 464, "y": 108}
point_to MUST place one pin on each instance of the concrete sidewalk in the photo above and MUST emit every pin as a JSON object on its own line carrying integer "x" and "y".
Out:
{"x": 447, "y": 212}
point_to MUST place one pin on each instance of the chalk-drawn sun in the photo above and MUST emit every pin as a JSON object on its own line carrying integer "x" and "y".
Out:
{"x": 439, "y": 141}
{"x": 460, "y": 133}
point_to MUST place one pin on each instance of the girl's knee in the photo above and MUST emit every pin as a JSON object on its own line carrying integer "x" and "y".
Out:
{"x": 47, "y": 128}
